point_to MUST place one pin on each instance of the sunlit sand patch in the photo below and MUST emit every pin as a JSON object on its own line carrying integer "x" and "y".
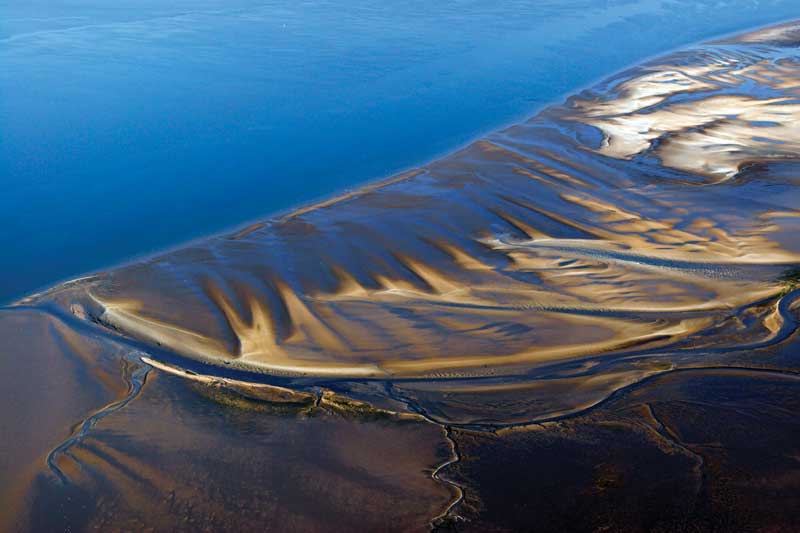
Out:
{"x": 781, "y": 35}
{"x": 264, "y": 392}
{"x": 710, "y": 128}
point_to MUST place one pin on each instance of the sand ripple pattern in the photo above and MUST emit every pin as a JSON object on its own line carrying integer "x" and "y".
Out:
{"x": 549, "y": 263}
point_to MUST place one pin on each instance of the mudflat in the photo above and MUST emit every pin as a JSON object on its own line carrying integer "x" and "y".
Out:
{"x": 584, "y": 321}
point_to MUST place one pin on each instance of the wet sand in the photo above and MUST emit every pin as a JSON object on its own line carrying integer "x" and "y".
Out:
{"x": 579, "y": 322}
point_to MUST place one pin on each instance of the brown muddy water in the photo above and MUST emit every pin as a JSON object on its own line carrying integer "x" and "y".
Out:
{"x": 587, "y": 321}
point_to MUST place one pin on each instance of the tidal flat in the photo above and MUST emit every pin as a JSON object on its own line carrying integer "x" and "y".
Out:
{"x": 586, "y": 321}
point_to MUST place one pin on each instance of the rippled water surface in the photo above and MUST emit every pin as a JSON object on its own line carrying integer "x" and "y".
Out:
{"x": 134, "y": 126}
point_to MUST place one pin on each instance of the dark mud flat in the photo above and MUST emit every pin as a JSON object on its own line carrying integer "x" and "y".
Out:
{"x": 584, "y": 322}
{"x": 701, "y": 450}
{"x": 95, "y": 439}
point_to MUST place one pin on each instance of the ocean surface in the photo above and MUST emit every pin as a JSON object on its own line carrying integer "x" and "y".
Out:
{"x": 131, "y": 127}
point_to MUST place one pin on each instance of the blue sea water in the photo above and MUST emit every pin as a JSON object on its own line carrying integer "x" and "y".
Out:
{"x": 131, "y": 126}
